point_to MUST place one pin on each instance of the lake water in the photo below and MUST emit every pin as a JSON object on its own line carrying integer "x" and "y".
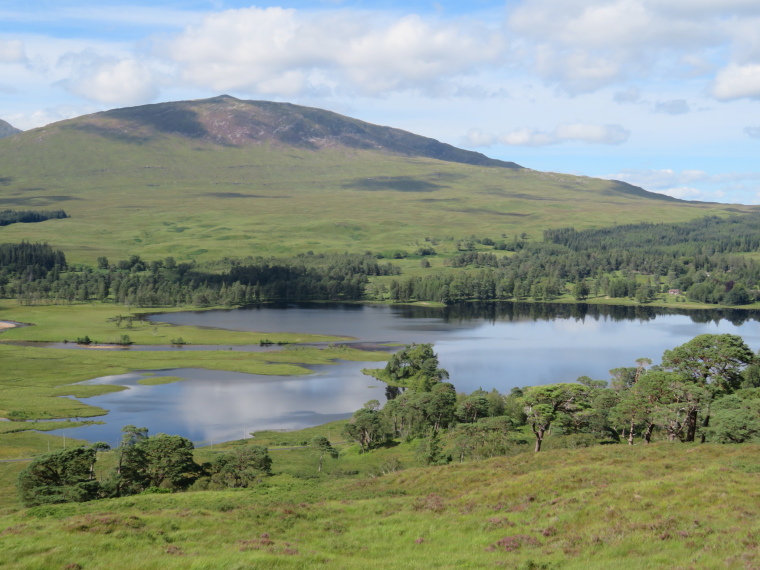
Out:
{"x": 481, "y": 345}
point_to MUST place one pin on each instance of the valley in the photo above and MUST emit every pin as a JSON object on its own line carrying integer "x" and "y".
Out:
{"x": 234, "y": 209}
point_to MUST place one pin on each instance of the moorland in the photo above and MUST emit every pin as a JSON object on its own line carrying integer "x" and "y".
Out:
{"x": 225, "y": 203}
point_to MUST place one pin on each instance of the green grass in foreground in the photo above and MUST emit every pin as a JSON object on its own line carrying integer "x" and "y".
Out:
{"x": 611, "y": 507}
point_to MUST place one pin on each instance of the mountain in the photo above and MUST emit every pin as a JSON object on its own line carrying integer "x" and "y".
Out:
{"x": 225, "y": 177}
{"x": 225, "y": 120}
{"x": 6, "y": 129}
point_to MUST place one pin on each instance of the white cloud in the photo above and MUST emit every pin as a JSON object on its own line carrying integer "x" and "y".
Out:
{"x": 527, "y": 137}
{"x": 565, "y": 132}
{"x": 288, "y": 52}
{"x": 733, "y": 187}
{"x": 111, "y": 80}
{"x": 46, "y": 116}
{"x": 477, "y": 138}
{"x": 584, "y": 45}
{"x": 737, "y": 81}
{"x": 578, "y": 70}
{"x": 12, "y": 51}
{"x": 753, "y": 132}
{"x": 672, "y": 107}
{"x": 688, "y": 193}
{"x": 658, "y": 179}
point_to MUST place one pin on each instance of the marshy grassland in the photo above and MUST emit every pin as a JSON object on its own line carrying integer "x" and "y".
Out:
{"x": 99, "y": 321}
{"x": 34, "y": 378}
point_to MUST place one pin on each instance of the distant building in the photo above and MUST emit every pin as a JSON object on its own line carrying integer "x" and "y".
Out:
{"x": 674, "y": 291}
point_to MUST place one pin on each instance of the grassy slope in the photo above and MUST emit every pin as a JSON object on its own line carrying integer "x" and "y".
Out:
{"x": 193, "y": 199}
{"x": 663, "y": 506}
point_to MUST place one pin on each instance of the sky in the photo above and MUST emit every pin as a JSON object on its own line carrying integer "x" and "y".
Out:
{"x": 663, "y": 94}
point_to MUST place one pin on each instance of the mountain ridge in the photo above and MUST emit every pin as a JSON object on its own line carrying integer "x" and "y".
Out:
{"x": 228, "y": 121}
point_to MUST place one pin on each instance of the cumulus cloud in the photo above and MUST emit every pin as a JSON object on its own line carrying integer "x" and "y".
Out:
{"x": 668, "y": 177}
{"x": 735, "y": 187}
{"x": 737, "y": 82}
{"x": 478, "y": 138}
{"x": 46, "y": 116}
{"x": 565, "y": 132}
{"x": 584, "y": 45}
{"x": 578, "y": 46}
{"x": 689, "y": 193}
{"x": 527, "y": 137}
{"x": 288, "y": 52}
{"x": 12, "y": 51}
{"x": 672, "y": 107}
{"x": 753, "y": 132}
{"x": 106, "y": 79}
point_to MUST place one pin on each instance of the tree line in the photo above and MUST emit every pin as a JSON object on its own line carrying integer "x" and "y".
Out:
{"x": 34, "y": 273}
{"x": 699, "y": 259}
{"x": 29, "y": 261}
{"x": 8, "y": 217}
{"x": 704, "y": 236}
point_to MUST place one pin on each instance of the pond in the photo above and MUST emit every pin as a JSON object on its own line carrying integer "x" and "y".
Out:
{"x": 481, "y": 345}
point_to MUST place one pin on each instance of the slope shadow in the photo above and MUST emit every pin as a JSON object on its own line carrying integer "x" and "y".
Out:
{"x": 164, "y": 118}
{"x": 232, "y": 195}
{"x": 395, "y": 183}
{"x": 109, "y": 133}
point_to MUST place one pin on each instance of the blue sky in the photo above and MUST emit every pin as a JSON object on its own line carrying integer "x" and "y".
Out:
{"x": 664, "y": 94}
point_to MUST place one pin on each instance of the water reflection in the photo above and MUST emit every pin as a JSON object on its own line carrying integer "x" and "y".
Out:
{"x": 371, "y": 321}
{"x": 212, "y": 405}
{"x": 501, "y": 345}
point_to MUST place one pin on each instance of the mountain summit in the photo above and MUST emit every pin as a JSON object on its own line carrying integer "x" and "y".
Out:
{"x": 6, "y": 129}
{"x": 228, "y": 121}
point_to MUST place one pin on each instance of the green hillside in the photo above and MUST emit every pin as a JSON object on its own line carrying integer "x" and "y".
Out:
{"x": 607, "y": 507}
{"x": 224, "y": 177}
